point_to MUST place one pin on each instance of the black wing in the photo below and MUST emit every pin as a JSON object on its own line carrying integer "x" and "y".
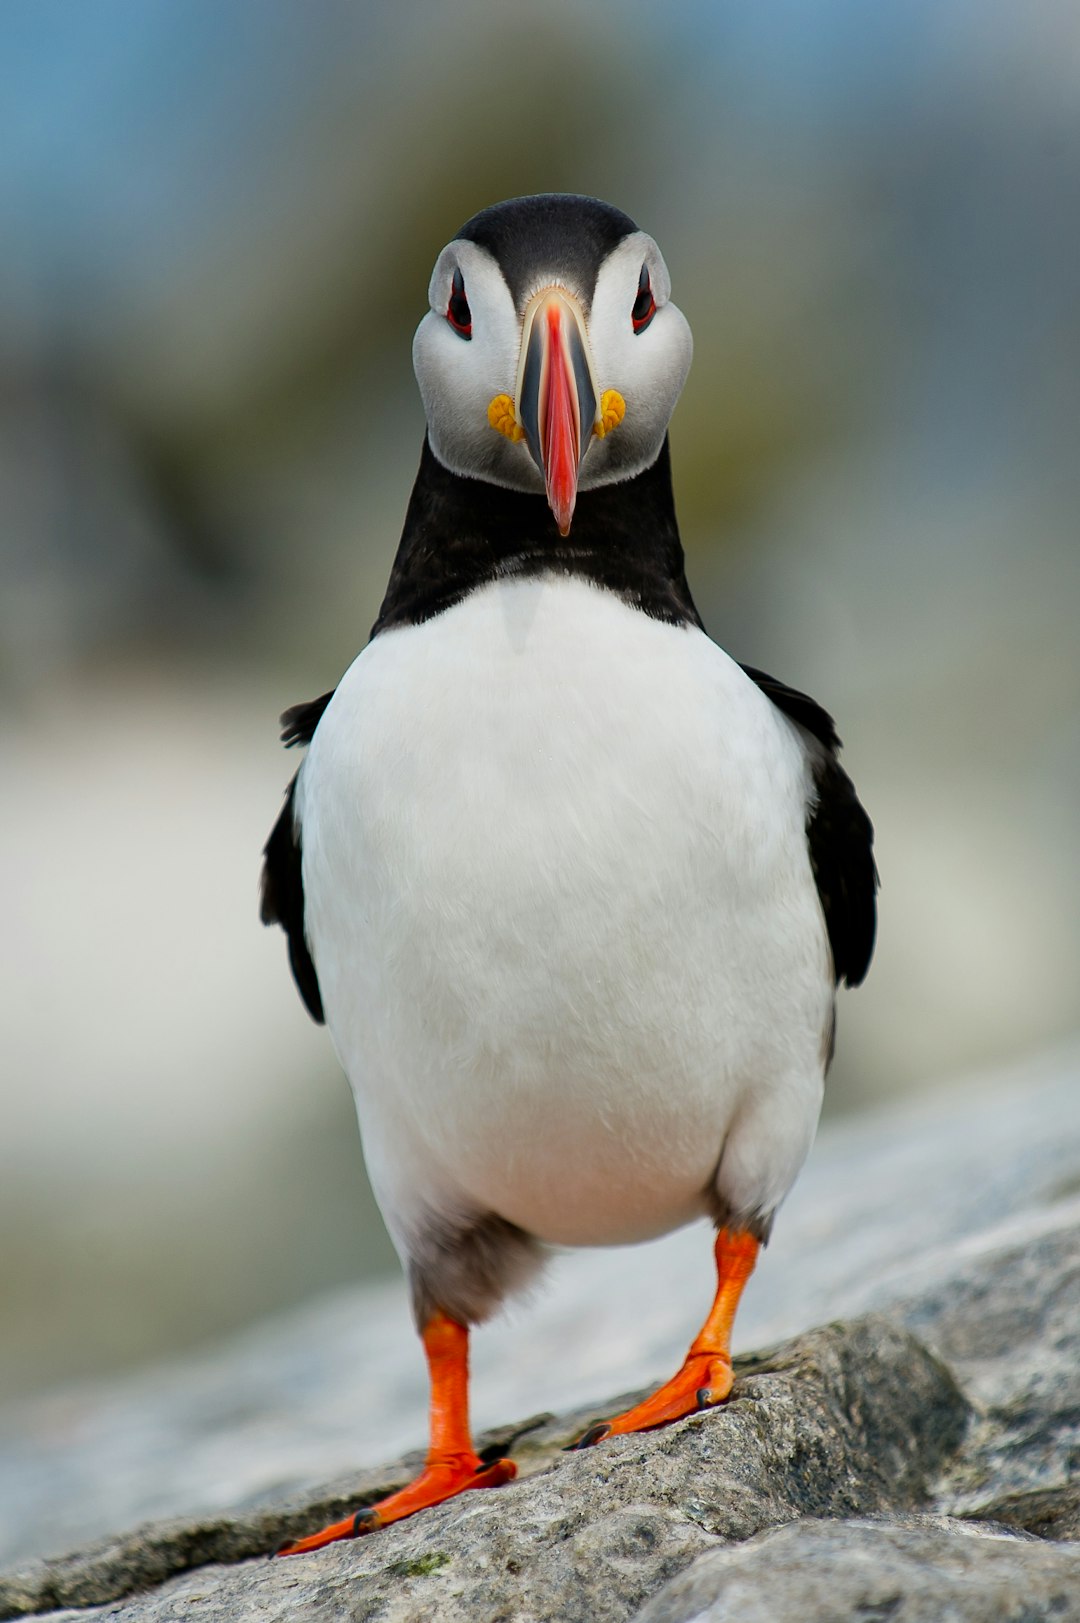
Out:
{"x": 840, "y": 837}
{"x": 282, "y": 887}
{"x": 298, "y": 724}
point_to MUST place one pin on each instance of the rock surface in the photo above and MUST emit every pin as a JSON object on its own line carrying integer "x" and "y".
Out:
{"x": 951, "y": 1408}
{"x": 854, "y": 1418}
{"x": 920, "y": 1569}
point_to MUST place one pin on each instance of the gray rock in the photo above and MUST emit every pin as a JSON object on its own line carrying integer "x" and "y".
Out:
{"x": 957, "y": 1221}
{"x": 915, "y": 1570}
{"x": 880, "y": 1211}
{"x": 848, "y": 1419}
{"x": 1052, "y": 1513}
{"x": 1008, "y": 1323}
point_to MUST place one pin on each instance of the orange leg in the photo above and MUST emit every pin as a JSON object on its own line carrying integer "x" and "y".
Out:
{"x": 705, "y": 1377}
{"x": 452, "y": 1463}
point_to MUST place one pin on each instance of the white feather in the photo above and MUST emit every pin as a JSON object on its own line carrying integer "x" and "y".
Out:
{"x": 559, "y": 900}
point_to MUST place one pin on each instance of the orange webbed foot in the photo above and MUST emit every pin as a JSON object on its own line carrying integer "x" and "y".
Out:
{"x": 705, "y": 1378}
{"x": 441, "y": 1479}
{"x": 453, "y": 1465}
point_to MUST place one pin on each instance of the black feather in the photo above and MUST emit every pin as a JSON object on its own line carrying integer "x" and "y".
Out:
{"x": 556, "y": 237}
{"x": 461, "y": 533}
{"x": 840, "y": 836}
{"x": 799, "y": 706}
{"x": 282, "y": 889}
{"x": 299, "y": 722}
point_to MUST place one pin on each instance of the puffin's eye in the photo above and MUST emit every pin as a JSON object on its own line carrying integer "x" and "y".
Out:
{"x": 458, "y": 313}
{"x": 644, "y": 305}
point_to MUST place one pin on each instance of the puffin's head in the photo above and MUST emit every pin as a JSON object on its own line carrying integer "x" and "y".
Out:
{"x": 551, "y": 358}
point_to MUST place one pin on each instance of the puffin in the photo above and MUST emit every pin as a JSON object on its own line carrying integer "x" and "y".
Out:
{"x": 572, "y": 890}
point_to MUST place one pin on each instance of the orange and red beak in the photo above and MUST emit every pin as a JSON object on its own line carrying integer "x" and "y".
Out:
{"x": 557, "y": 398}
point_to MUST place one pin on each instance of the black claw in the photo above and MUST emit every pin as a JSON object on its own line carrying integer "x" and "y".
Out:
{"x": 704, "y": 1397}
{"x": 364, "y": 1521}
{"x": 593, "y": 1434}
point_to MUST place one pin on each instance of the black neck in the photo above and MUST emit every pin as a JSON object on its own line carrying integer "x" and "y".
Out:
{"x": 462, "y": 533}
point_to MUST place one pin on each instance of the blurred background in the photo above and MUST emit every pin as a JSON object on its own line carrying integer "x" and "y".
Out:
{"x": 217, "y": 221}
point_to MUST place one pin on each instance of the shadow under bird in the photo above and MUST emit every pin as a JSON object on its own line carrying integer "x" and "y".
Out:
{"x": 572, "y": 890}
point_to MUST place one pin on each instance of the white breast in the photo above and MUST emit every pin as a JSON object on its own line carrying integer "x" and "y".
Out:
{"x": 559, "y": 900}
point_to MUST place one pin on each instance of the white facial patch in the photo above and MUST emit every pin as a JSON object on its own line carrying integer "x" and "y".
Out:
{"x": 648, "y": 368}
{"x": 459, "y": 377}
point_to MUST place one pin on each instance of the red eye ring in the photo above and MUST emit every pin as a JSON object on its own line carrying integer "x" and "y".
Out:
{"x": 458, "y": 313}
{"x": 644, "y": 305}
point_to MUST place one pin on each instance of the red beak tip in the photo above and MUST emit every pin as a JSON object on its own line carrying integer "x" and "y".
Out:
{"x": 563, "y": 513}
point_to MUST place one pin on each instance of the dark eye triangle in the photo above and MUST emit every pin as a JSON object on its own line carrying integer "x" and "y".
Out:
{"x": 458, "y": 313}
{"x": 644, "y": 305}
